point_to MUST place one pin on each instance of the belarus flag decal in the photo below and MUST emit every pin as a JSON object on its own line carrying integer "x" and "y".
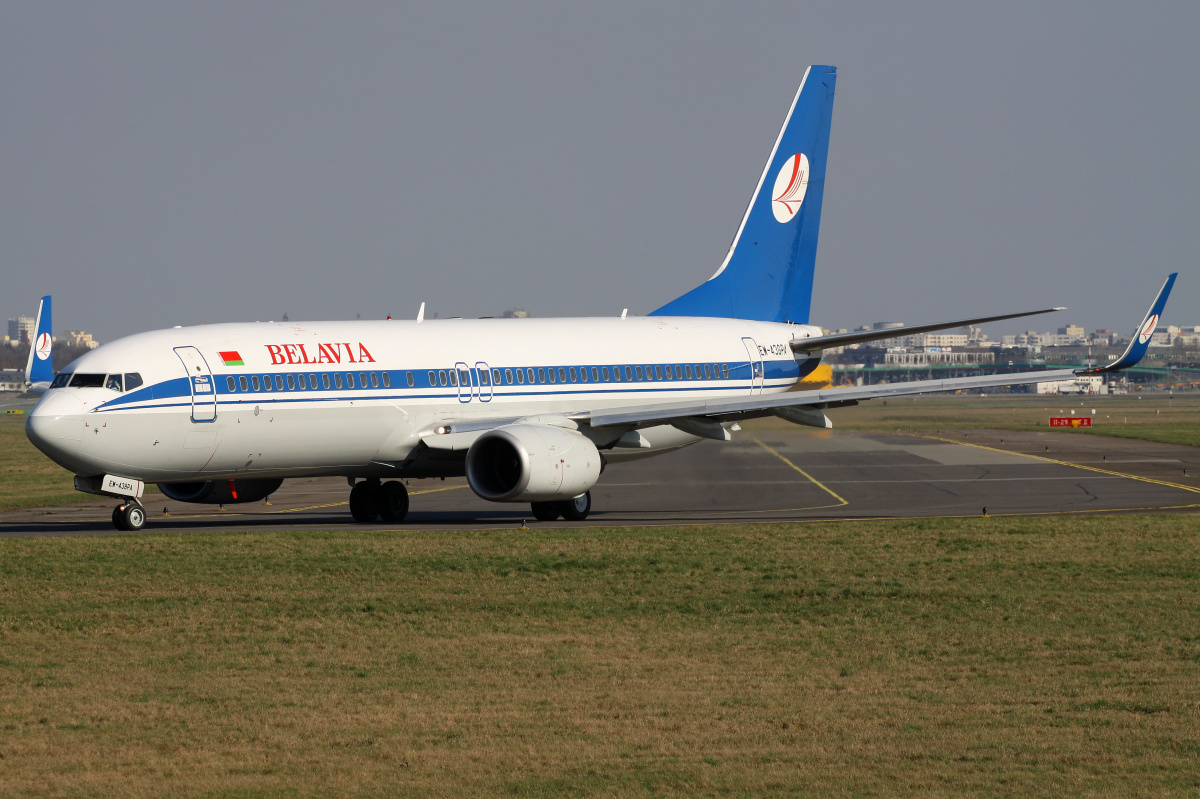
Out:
{"x": 232, "y": 358}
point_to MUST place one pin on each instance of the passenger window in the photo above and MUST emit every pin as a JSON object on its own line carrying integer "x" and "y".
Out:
{"x": 629, "y": 373}
{"x": 658, "y": 373}
{"x": 300, "y": 382}
{"x": 604, "y": 373}
{"x": 529, "y": 374}
{"x": 375, "y": 379}
{"x": 243, "y": 384}
{"x": 432, "y": 379}
{"x": 337, "y": 379}
{"x": 725, "y": 370}
{"x": 574, "y": 377}
{"x": 349, "y": 380}
{"x": 325, "y": 380}
{"x": 640, "y": 375}
{"x": 583, "y": 374}
{"x": 132, "y": 380}
{"x": 279, "y": 382}
{"x": 508, "y": 378}
{"x": 229, "y": 381}
{"x": 520, "y": 376}
{"x": 678, "y": 372}
{"x": 409, "y": 377}
{"x": 113, "y": 382}
{"x": 688, "y": 370}
{"x": 454, "y": 377}
{"x": 551, "y": 371}
{"x": 464, "y": 378}
{"x": 485, "y": 378}
{"x": 266, "y": 382}
{"x": 596, "y": 375}
{"x": 254, "y": 381}
{"x": 562, "y": 375}
{"x": 496, "y": 376}
{"x": 707, "y": 372}
{"x": 291, "y": 381}
{"x": 442, "y": 377}
{"x": 541, "y": 375}
{"x": 61, "y": 379}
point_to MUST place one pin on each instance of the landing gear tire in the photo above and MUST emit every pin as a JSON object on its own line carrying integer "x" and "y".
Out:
{"x": 546, "y": 511}
{"x": 133, "y": 517}
{"x": 393, "y": 501}
{"x": 364, "y": 502}
{"x": 577, "y": 509}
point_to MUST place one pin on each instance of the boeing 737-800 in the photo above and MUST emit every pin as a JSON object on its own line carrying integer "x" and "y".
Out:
{"x": 529, "y": 410}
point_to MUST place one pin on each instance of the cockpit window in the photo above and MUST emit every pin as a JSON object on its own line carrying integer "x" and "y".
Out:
{"x": 61, "y": 379}
{"x": 81, "y": 380}
{"x": 113, "y": 382}
{"x": 132, "y": 380}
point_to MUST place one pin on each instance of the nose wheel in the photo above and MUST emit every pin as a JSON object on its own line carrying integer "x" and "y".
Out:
{"x": 129, "y": 517}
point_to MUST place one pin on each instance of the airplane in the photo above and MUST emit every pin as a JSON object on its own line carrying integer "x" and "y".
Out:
{"x": 39, "y": 369}
{"x": 528, "y": 410}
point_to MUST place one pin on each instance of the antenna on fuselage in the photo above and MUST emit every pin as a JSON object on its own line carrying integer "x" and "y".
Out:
{"x": 421, "y": 313}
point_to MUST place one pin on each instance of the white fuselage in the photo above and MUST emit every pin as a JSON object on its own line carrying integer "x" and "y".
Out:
{"x": 354, "y": 398}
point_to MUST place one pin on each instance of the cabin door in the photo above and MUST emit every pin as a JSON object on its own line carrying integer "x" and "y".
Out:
{"x": 200, "y": 380}
{"x": 756, "y": 366}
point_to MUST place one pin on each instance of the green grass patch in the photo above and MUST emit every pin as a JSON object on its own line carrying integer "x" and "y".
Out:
{"x": 1002, "y": 656}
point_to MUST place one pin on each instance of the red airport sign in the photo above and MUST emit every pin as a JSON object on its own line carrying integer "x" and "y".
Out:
{"x": 1070, "y": 421}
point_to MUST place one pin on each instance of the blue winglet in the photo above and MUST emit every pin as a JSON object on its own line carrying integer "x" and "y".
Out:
{"x": 1141, "y": 337}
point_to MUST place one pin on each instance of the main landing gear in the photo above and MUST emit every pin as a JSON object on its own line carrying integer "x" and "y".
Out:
{"x": 129, "y": 516}
{"x": 573, "y": 510}
{"x": 371, "y": 500}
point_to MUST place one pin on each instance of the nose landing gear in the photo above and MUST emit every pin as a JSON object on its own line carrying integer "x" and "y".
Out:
{"x": 370, "y": 500}
{"x": 129, "y": 516}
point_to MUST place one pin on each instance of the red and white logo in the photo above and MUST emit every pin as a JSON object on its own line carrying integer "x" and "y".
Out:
{"x": 790, "y": 185}
{"x": 1148, "y": 329}
{"x": 43, "y": 346}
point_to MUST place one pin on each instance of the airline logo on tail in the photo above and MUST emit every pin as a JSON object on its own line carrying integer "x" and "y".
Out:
{"x": 1148, "y": 329}
{"x": 43, "y": 346}
{"x": 790, "y": 186}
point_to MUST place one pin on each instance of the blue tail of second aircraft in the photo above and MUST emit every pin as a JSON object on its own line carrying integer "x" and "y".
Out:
{"x": 768, "y": 273}
{"x": 39, "y": 369}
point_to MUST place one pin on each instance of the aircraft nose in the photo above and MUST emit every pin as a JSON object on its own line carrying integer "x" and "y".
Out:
{"x": 55, "y": 425}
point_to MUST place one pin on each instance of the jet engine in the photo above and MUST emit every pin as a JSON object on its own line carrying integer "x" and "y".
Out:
{"x": 532, "y": 463}
{"x": 225, "y": 492}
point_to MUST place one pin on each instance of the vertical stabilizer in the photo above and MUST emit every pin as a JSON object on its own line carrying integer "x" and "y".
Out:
{"x": 768, "y": 273}
{"x": 39, "y": 369}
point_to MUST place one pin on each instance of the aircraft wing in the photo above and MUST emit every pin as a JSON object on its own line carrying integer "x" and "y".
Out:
{"x": 818, "y": 399}
{"x": 842, "y": 339}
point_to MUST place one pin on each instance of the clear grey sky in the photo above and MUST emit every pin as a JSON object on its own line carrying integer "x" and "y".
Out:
{"x": 177, "y": 163}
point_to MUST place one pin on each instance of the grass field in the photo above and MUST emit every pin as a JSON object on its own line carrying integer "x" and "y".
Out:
{"x": 987, "y": 657}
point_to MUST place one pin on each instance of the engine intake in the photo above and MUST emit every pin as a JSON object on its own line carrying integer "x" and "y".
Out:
{"x": 213, "y": 492}
{"x": 532, "y": 463}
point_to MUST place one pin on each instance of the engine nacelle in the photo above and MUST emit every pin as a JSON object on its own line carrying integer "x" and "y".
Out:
{"x": 532, "y": 463}
{"x": 213, "y": 492}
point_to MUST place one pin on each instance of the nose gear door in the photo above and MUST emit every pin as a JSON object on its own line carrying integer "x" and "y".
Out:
{"x": 200, "y": 380}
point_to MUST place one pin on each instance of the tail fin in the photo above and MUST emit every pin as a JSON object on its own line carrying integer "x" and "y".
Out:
{"x": 39, "y": 369}
{"x": 768, "y": 273}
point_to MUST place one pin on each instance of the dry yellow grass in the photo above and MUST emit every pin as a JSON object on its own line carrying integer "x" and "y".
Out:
{"x": 984, "y": 657}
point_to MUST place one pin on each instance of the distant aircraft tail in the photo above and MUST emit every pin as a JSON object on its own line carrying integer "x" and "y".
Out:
{"x": 39, "y": 369}
{"x": 768, "y": 273}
